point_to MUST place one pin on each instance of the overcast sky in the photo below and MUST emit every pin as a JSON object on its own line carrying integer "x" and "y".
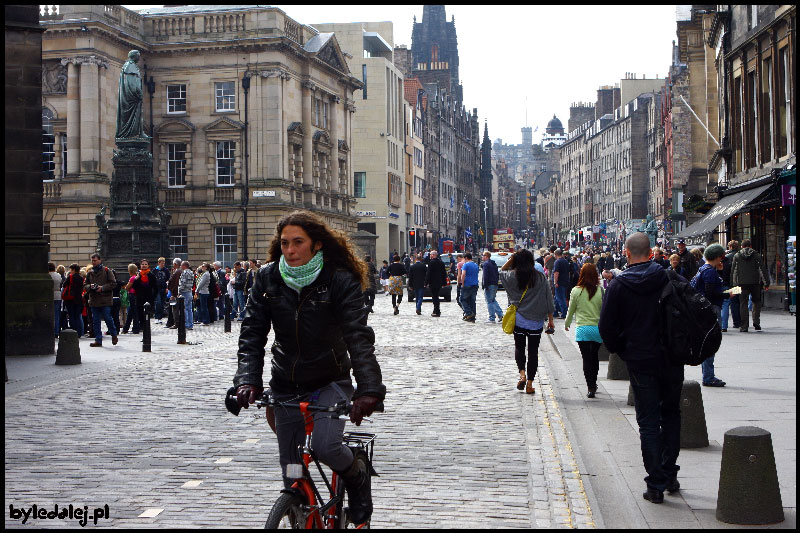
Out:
{"x": 542, "y": 58}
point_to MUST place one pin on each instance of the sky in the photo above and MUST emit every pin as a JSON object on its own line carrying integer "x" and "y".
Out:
{"x": 538, "y": 59}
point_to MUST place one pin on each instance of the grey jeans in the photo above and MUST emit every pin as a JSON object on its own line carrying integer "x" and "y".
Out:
{"x": 326, "y": 439}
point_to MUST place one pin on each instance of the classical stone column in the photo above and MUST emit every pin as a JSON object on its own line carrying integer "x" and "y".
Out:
{"x": 334, "y": 135}
{"x": 73, "y": 119}
{"x": 58, "y": 155}
{"x": 308, "y": 143}
{"x": 90, "y": 119}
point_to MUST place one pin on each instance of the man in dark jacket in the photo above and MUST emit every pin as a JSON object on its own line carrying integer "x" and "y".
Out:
{"x": 629, "y": 325}
{"x": 99, "y": 285}
{"x": 687, "y": 259}
{"x": 436, "y": 279}
{"x": 239, "y": 283}
{"x": 416, "y": 280}
{"x": 491, "y": 280}
{"x": 160, "y": 295}
{"x": 172, "y": 288}
{"x": 748, "y": 272}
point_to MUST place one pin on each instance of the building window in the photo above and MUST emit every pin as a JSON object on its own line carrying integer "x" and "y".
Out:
{"x": 784, "y": 104}
{"x": 48, "y": 145}
{"x": 176, "y": 164}
{"x": 418, "y": 157}
{"x": 225, "y": 244}
{"x": 225, "y": 157}
{"x": 179, "y": 242}
{"x": 364, "y": 80}
{"x": 360, "y": 185}
{"x": 46, "y": 233}
{"x": 176, "y": 98}
{"x": 768, "y": 151}
{"x": 225, "y": 96}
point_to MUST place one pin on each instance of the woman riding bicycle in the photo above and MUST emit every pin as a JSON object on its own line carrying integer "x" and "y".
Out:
{"x": 311, "y": 295}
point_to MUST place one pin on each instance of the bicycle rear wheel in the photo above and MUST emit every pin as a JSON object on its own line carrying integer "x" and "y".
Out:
{"x": 287, "y": 513}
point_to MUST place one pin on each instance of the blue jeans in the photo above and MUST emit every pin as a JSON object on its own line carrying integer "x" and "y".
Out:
{"x": 418, "y": 295}
{"x": 187, "y": 309}
{"x": 657, "y": 399}
{"x": 106, "y": 315}
{"x": 238, "y": 304}
{"x": 561, "y": 301}
{"x": 74, "y": 311}
{"x": 708, "y": 364}
{"x": 57, "y": 315}
{"x": 468, "y": 295}
{"x": 202, "y": 308}
{"x": 160, "y": 299}
{"x": 490, "y": 293}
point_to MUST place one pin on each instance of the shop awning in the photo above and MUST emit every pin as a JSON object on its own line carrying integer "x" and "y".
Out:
{"x": 725, "y": 208}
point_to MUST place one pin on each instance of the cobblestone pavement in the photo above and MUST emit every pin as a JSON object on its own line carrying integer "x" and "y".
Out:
{"x": 458, "y": 446}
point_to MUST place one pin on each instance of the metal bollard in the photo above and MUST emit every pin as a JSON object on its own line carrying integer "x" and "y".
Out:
{"x": 148, "y": 310}
{"x": 227, "y": 313}
{"x": 181, "y": 321}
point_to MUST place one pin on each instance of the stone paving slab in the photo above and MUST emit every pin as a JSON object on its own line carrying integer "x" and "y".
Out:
{"x": 459, "y": 446}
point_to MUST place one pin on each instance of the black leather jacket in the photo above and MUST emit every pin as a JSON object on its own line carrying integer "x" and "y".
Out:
{"x": 314, "y": 331}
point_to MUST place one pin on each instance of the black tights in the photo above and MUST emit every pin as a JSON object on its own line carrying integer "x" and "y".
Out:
{"x": 533, "y": 336}
{"x": 397, "y": 299}
{"x": 591, "y": 363}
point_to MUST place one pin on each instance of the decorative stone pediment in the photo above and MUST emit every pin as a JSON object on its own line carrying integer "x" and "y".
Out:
{"x": 343, "y": 146}
{"x": 296, "y": 133}
{"x": 332, "y": 55}
{"x": 321, "y": 137}
{"x": 224, "y": 128}
{"x": 176, "y": 128}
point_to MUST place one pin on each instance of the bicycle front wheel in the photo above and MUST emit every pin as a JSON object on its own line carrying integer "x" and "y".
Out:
{"x": 287, "y": 513}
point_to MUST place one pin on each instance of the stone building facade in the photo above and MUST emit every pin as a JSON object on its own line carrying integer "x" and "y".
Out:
{"x": 434, "y": 51}
{"x": 288, "y": 90}
{"x": 378, "y": 156}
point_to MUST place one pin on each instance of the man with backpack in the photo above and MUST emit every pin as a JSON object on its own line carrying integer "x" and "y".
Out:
{"x": 631, "y": 326}
{"x": 709, "y": 283}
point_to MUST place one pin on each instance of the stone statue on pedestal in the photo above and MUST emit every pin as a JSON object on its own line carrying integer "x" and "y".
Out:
{"x": 131, "y": 93}
{"x": 651, "y": 228}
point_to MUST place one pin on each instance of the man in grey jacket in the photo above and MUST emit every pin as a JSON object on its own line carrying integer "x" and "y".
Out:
{"x": 749, "y": 273}
{"x": 185, "y": 290}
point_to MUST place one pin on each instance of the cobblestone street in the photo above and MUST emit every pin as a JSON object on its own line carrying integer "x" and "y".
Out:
{"x": 148, "y": 434}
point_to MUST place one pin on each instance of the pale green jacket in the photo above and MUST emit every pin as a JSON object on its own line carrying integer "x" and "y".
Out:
{"x": 586, "y": 311}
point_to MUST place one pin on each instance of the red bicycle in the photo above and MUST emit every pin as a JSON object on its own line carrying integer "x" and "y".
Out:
{"x": 302, "y": 506}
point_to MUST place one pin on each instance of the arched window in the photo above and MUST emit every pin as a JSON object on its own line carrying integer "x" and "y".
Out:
{"x": 48, "y": 145}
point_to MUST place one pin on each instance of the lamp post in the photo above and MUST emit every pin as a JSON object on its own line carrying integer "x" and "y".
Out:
{"x": 246, "y": 199}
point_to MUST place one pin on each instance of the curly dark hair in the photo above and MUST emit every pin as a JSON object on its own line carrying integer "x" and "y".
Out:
{"x": 337, "y": 250}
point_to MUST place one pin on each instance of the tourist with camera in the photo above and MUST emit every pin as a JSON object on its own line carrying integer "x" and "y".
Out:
{"x": 99, "y": 285}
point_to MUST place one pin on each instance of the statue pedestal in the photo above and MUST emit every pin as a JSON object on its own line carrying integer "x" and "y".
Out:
{"x": 137, "y": 228}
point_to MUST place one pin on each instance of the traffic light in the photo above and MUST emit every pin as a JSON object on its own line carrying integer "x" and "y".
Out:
{"x": 412, "y": 238}
{"x": 580, "y": 236}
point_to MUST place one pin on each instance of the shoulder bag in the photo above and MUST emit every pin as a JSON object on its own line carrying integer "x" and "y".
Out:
{"x": 510, "y": 316}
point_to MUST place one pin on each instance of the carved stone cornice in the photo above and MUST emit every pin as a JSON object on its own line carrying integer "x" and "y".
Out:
{"x": 310, "y": 85}
{"x": 273, "y": 73}
{"x": 79, "y": 60}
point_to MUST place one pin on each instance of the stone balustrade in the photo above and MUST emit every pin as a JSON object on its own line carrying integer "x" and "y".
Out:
{"x": 52, "y": 189}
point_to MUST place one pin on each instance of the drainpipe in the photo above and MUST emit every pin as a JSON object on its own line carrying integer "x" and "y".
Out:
{"x": 246, "y": 197}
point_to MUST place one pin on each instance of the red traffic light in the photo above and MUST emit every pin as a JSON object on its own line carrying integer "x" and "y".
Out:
{"x": 411, "y": 233}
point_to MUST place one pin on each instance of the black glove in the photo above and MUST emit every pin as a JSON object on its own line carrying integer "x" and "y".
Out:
{"x": 247, "y": 394}
{"x": 363, "y": 406}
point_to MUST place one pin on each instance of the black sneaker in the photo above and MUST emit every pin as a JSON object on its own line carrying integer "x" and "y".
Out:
{"x": 359, "y": 494}
{"x": 654, "y": 496}
{"x": 716, "y": 382}
{"x": 757, "y": 328}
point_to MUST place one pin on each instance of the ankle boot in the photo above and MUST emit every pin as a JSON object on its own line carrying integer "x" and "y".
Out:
{"x": 529, "y": 387}
{"x": 357, "y": 483}
{"x": 521, "y": 383}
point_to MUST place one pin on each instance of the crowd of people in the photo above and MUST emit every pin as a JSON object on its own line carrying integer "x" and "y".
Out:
{"x": 83, "y": 296}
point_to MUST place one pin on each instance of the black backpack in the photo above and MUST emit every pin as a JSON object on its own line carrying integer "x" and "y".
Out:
{"x": 689, "y": 323}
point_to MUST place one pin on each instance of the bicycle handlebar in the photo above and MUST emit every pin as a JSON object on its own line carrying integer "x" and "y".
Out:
{"x": 337, "y": 411}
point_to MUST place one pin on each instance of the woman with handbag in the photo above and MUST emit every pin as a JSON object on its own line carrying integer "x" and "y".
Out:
{"x": 586, "y": 300}
{"x": 72, "y": 295}
{"x": 395, "y": 285}
{"x": 529, "y": 291}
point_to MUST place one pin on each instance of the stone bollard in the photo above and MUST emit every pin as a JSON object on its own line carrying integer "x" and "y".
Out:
{"x": 181, "y": 321}
{"x": 69, "y": 351}
{"x": 602, "y": 355}
{"x": 146, "y": 338}
{"x": 631, "y": 398}
{"x": 749, "y": 492}
{"x": 227, "y": 313}
{"x": 617, "y": 369}
{"x": 694, "y": 433}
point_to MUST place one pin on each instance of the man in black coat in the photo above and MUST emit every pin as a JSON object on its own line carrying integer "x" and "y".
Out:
{"x": 436, "y": 279}
{"x": 416, "y": 280}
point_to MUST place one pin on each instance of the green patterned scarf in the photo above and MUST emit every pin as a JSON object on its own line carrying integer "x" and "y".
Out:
{"x": 303, "y": 275}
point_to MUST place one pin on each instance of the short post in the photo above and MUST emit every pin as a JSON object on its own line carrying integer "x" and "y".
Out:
{"x": 227, "y": 313}
{"x": 181, "y": 321}
{"x": 148, "y": 310}
{"x": 631, "y": 397}
{"x": 694, "y": 433}
{"x": 602, "y": 354}
{"x": 69, "y": 351}
{"x": 617, "y": 369}
{"x": 749, "y": 492}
